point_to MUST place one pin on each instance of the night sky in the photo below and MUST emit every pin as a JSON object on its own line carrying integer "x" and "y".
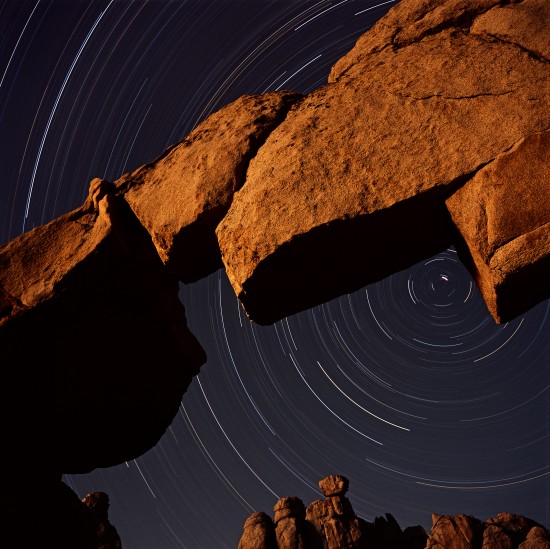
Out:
{"x": 407, "y": 386}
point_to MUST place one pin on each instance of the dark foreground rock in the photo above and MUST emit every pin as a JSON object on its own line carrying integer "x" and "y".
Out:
{"x": 95, "y": 339}
{"x": 106, "y": 534}
{"x": 45, "y": 512}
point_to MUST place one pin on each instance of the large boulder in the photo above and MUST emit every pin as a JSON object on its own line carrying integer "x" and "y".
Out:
{"x": 455, "y": 532}
{"x": 94, "y": 338}
{"x": 351, "y": 186}
{"x": 503, "y": 216}
{"x": 258, "y": 532}
{"x": 182, "y": 195}
{"x": 288, "y": 516}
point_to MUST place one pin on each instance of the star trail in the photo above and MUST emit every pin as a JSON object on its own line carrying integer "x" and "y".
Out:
{"x": 407, "y": 386}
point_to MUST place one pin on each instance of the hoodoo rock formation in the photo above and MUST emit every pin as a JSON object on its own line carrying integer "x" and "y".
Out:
{"x": 332, "y": 524}
{"x": 433, "y": 130}
{"x": 84, "y": 524}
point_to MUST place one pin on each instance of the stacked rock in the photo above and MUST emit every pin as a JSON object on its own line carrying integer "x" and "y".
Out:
{"x": 289, "y": 516}
{"x": 258, "y": 532}
{"x": 333, "y": 520}
{"x": 328, "y": 523}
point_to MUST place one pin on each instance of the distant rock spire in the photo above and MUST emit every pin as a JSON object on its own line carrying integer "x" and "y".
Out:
{"x": 331, "y": 523}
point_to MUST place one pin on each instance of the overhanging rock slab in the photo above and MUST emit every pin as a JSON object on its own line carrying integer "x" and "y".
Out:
{"x": 93, "y": 338}
{"x": 181, "y": 196}
{"x": 351, "y": 186}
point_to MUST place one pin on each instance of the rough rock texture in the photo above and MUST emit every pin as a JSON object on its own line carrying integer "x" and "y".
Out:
{"x": 334, "y": 485}
{"x": 361, "y": 168}
{"x": 258, "y": 532}
{"x": 437, "y": 121}
{"x": 111, "y": 352}
{"x": 181, "y": 196}
{"x": 329, "y": 524}
{"x": 503, "y": 216}
{"x": 455, "y": 532}
{"x": 520, "y": 22}
{"x": 288, "y": 516}
{"x": 333, "y": 523}
{"x": 537, "y": 538}
{"x": 505, "y": 531}
{"x": 440, "y": 94}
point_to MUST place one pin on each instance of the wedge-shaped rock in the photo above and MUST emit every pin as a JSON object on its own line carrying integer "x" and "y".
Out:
{"x": 351, "y": 186}
{"x": 93, "y": 338}
{"x": 503, "y": 215}
{"x": 181, "y": 196}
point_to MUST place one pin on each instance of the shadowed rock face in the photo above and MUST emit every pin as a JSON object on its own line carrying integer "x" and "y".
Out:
{"x": 505, "y": 531}
{"x": 106, "y": 533}
{"x": 181, "y": 197}
{"x": 95, "y": 337}
{"x": 350, "y": 187}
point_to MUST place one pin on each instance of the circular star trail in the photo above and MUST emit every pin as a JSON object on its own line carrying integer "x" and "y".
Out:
{"x": 407, "y": 386}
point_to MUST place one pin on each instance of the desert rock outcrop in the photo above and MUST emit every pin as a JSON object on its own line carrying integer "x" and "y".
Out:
{"x": 258, "y": 532}
{"x": 106, "y": 533}
{"x": 351, "y": 186}
{"x": 505, "y": 531}
{"x": 503, "y": 216}
{"x": 109, "y": 351}
{"x": 328, "y": 523}
{"x": 432, "y": 130}
{"x": 182, "y": 196}
{"x": 289, "y": 514}
{"x": 331, "y": 523}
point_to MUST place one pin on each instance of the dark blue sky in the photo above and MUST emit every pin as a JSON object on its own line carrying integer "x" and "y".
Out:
{"x": 407, "y": 387}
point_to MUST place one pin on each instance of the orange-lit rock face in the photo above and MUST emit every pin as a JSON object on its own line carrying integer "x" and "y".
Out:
{"x": 351, "y": 186}
{"x": 443, "y": 106}
{"x": 182, "y": 196}
{"x": 111, "y": 353}
{"x": 503, "y": 215}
